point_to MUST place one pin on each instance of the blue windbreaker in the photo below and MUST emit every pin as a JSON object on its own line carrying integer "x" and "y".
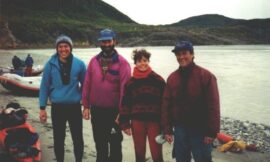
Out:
{"x": 52, "y": 87}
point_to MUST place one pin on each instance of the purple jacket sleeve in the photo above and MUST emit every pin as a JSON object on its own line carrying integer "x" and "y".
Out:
{"x": 86, "y": 87}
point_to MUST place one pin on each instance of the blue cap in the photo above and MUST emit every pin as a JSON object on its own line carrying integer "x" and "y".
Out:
{"x": 106, "y": 34}
{"x": 183, "y": 45}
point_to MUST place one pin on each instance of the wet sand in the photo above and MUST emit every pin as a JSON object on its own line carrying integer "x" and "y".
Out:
{"x": 45, "y": 133}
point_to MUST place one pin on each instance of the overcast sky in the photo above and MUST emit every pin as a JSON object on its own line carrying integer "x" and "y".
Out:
{"x": 170, "y": 11}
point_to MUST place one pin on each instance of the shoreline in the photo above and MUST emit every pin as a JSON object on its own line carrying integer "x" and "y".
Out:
{"x": 49, "y": 46}
{"x": 247, "y": 131}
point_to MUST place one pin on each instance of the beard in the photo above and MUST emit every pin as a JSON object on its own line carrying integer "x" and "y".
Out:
{"x": 107, "y": 50}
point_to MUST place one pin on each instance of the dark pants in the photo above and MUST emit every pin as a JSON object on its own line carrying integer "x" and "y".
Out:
{"x": 61, "y": 114}
{"x": 141, "y": 130}
{"x": 107, "y": 134}
{"x": 187, "y": 143}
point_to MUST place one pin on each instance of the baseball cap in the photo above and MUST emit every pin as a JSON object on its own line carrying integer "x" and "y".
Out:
{"x": 183, "y": 45}
{"x": 106, "y": 34}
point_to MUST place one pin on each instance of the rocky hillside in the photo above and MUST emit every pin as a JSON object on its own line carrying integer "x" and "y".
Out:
{"x": 7, "y": 39}
{"x": 38, "y": 22}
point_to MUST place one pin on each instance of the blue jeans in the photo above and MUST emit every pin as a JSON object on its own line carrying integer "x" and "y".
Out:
{"x": 188, "y": 142}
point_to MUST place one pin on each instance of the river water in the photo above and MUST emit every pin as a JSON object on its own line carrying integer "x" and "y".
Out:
{"x": 243, "y": 73}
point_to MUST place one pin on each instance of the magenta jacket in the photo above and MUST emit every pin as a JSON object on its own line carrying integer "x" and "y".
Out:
{"x": 106, "y": 90}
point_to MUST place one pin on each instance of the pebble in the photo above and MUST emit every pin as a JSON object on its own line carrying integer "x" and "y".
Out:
{"x": 251, "y": 133}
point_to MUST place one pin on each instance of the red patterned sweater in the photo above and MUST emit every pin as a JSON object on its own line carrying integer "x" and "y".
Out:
{"x": 142, "y": 100}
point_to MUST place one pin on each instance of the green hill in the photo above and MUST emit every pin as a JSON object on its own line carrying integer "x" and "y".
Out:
{"x": 36, "y": 23}
{"x": 39, "y": 21}
{"x": 208, "y": 20}
{"x": 231, "y": 31}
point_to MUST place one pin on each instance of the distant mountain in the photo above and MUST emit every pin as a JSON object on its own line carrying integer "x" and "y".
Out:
{"x": 218, "y": 29}
{"x": 208, "y": 30}
{"x": 215, "y": 20}
{"x": 208, "y": 20}
{"x": 36, "y": 23}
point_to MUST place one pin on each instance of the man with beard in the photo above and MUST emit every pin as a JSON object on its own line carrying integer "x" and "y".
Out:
{"x": 103, "y": 89}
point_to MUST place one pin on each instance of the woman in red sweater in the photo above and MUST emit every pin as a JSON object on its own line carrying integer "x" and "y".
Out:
{"x": 141, "y": 106}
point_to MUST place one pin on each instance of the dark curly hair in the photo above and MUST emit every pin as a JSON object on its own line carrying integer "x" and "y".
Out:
{"x": 137, "y": 54}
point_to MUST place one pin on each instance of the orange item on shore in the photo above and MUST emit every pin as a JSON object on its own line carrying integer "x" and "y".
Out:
{"x": 224, "y": 138}
{"x": 233, "y": 146}
{"x": 3, "y": 134}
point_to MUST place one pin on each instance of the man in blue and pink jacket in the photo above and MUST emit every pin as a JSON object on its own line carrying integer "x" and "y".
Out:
{"x": 103, "y": 89}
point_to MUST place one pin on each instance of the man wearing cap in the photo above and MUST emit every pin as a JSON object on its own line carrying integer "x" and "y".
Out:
{"x": 103, "y": 89}
{"x": 190, "y": 107}
{"x": 62, "y": 82}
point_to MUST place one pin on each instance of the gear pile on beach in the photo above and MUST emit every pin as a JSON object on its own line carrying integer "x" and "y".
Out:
{"x": 17, "y": 137}
{"x": 238, "y": 135}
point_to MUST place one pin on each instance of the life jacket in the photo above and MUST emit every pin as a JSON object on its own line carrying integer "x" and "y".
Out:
{"x": 21, "y": 142}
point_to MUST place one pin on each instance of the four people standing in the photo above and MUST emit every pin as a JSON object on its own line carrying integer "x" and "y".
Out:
{"x": 62, "y": 83}
{"x": 189, "y": 111}
{"x": 106, "y": 76}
